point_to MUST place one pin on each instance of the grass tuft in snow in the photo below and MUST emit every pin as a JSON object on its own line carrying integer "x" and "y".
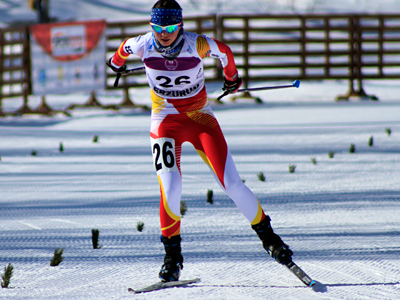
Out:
{"x": 95, "y": 238}
{"x": 95, "y": 139}
{"x": 183, "y": 208}
{"x": 61, "y": 148}
{"x": 388, "y": 131}
{"x": 314, "y": 161}
{"x": 34, "y": 152}
{"x": 371, "y": 141}
{"x": 352, "y": 148}
{"x": 6, "y": 277}
{"x": 331, "y": 154}
{"x": 57, "y": 258}
{"x": 261, "y": 176}
{"x": 140, "y": 226}
{"x": 292, "y": 168}
{"x": 210, "y": 195}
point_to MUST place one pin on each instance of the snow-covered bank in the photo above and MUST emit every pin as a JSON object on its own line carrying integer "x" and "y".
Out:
{"x": 340, "y": 216}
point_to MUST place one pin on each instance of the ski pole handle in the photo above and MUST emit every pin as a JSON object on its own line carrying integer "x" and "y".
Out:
{"x": 124, "y": 73}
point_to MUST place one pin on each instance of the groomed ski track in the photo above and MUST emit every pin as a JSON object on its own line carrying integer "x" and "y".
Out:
{"x": 340, "y": 216}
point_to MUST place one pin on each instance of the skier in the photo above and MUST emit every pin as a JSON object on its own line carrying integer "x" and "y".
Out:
{"x": 181, "y": 113}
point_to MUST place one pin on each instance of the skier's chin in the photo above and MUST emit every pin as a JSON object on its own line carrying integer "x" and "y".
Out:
{"x": 165, "y": 43}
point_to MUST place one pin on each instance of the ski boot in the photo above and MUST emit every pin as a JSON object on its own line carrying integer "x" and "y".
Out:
{"x": 171, "y": 269}
{"x": 272, "y": 242}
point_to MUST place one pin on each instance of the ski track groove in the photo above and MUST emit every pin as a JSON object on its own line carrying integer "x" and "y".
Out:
{"x": 340, "y": 216}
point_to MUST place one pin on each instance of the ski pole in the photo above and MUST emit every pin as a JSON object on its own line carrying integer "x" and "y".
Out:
{"x": 125, "y": 72}
{"x": 295, "y": 84}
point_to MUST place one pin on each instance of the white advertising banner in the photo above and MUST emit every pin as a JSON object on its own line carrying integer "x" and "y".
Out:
{"x": 68, "y": 57}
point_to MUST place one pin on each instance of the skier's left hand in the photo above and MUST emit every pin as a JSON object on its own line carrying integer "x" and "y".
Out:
{"x": 232, "y": 86}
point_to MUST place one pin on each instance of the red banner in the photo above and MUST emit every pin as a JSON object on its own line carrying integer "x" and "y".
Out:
{"x": 70, "y": 40}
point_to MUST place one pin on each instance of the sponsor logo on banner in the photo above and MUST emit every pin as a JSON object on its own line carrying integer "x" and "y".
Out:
{"x": 68, "y": 40}
{"x": 42, "y": 76}
{"x": 60, "y": 73}
{"x": 68, "y": 57}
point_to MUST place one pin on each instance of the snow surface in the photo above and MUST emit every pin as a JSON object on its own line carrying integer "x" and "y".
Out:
{"x": 341, "y": 216}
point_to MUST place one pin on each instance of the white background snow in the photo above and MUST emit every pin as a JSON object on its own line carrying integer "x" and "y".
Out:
{"x": 341, "y": 216}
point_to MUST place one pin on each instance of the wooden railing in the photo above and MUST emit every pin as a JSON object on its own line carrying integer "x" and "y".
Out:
{"x": 315, "y": 47}
{"x": 15, "y": 71}
{"x": 266, "y": 47}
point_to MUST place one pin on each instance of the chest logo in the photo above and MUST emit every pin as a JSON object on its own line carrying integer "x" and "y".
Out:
{"x": 171, "y": 65}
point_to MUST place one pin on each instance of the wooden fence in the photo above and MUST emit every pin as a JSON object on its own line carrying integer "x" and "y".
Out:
{"x": 315, "y": 47}
{"x": 266, "y": 47}
{"x": 15, "y": 71}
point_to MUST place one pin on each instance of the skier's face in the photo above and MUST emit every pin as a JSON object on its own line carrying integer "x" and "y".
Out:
{"x": 166, "y": 38}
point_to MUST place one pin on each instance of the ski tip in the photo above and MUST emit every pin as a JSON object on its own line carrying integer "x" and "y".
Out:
{"x": 312, "y": 283}
{"x": 296, "y": 83}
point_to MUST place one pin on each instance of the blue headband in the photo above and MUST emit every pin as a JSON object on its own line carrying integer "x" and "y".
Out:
{"x": 166, "y": 16}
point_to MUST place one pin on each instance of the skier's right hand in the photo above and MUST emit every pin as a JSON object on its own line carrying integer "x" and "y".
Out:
{"x": 116, "y": 70}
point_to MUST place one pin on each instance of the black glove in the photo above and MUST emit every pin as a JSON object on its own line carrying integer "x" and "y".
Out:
{"x": 232, "y": 86}
{"x": 116, "y": 70}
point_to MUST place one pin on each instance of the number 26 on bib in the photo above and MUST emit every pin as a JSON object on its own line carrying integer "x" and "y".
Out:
{"x": 164, "y": 155}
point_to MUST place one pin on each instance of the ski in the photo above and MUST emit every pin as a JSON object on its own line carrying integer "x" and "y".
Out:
{"x": 162, "y": 285}
{"x": 295, "y": 269}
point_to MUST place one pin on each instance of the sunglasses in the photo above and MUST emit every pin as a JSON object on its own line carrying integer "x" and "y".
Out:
{"x": 168, "y": 29}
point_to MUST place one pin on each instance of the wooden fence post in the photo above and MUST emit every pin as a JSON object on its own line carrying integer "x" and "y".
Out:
{"x": 1, "y": 109}
{"x": 356, "y": 53}
{"x": 246, "y": 64}
{"x": 303, "y": 48}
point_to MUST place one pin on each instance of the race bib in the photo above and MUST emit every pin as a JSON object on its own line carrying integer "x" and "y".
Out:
{"x": 164, "y": 155}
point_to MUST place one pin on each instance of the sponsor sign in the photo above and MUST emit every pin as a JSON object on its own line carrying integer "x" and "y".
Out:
{"x": 68, "y": 57}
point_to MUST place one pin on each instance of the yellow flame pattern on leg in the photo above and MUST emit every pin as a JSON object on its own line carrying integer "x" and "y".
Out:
{"x": 259, "y": 216}
{"x": 205, "y": 159}
{"x": 167, "y": 209}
